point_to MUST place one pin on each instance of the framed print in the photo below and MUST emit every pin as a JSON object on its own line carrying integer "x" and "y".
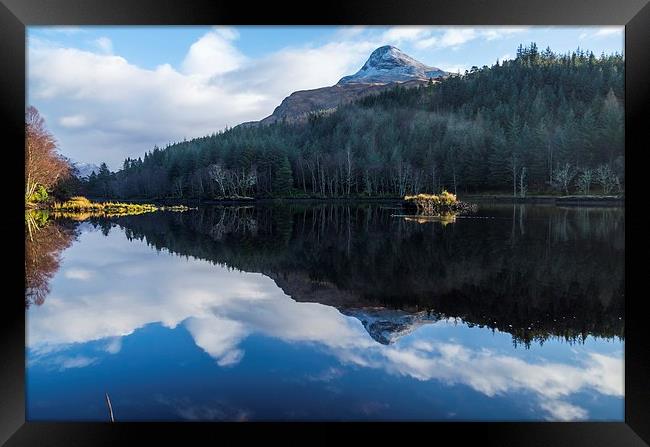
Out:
{"x": 383, "y": 218}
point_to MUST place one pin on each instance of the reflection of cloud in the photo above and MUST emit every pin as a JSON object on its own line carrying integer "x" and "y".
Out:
{"x": 220, "y": 308}
{"x": 326, "y": 376}
{"x": 563, "y": 411}
{"x": 62, "y": 362}
{"x": 114, "y": 345}
{"x": 78, "y": 361}
{"x": 220, "y": 343}
{"x": 215, "y": 411}
{"x": 491, "y": 373}
{"x": 372, "y": 407}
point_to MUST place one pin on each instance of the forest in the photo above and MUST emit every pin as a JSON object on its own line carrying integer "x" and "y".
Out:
{"x": 540, "y": 123}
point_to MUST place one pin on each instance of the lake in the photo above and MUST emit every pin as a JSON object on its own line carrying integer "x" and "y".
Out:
{"x": 321, "y": 311}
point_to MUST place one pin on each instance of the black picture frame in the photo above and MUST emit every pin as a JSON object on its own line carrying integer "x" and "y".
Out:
{"x": 15, "y": 15}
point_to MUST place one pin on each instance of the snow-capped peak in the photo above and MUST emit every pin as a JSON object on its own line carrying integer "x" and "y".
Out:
{"x": 84, "y": 170}
{"x": 389, "y": 64}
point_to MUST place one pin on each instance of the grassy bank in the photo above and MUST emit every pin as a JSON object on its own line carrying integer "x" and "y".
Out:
{"x": 81, "y": 206}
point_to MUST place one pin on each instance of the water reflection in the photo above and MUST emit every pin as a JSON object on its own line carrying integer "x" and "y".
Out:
{"x": 562, "y": 276}
{"x": 357, "y": 286}
{"x": 44, "y": 242}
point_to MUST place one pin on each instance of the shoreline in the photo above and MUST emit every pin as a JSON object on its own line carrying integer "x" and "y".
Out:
{"x": 551, "y": 200}
{"x": 572, "y": 200}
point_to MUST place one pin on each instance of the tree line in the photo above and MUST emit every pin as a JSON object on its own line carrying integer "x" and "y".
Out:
{"x": 541, "y": 122}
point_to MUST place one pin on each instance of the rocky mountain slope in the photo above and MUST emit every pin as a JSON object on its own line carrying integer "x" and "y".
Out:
{"x": 386, "y": 67}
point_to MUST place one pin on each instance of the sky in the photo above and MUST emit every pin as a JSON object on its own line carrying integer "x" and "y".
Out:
{"x": 111, "y": 92}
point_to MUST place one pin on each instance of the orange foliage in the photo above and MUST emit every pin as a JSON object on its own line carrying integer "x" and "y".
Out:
{"x": 43, "y": 165}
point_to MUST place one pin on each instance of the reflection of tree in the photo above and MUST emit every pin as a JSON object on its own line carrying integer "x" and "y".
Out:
{"x": 44, "y": 242}
{"x": 534, "y": 272}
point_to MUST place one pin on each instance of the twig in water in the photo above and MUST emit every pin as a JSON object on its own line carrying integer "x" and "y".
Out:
{"x": 110, "y": 407}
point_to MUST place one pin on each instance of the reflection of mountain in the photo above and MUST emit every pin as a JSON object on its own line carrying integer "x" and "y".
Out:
{"x": 533, "y": 272}
{"x": 384, "y": 324}
{"x": 387, "y": 325}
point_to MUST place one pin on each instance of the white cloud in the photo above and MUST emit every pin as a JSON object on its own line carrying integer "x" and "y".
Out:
{"x": 453, "y": 68}
{"x": 73, "y": 121}
{"x": 500, "y": 33}
{"x": 78, "y": 273}
{"x": 609, "y": 31}
{"x": 350, "y": 31}
{"x": 599, "y": 33}
{"x": 64, "y": 30}
{"x": 458, "y": 36}
{"x": 104, "y": 44}
{"x": 298, "y": 68}
{"x": 214, "y": 54}
{"x": 133, "y": 108}
{"x": 398, "y": 34}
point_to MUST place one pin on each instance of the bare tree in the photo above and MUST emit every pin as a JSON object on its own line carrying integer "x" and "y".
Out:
{"x": 514, "y": 165}
{"x": 562, "y": 177}
{"x": 584, "y": 181}
{"x": 606, "y": 178}
{"x": 218, "y": 175}
{"x": 523, "y": 182}
{"x": 43, "y": 165}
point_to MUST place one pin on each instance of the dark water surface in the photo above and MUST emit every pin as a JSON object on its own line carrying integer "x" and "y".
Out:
{"x": 329, "y": 312}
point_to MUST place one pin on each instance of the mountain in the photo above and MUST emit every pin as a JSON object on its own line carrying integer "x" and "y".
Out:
{"x": 85, "y": 169}
{"x": 386, "y": 67}
{"x": 82, "y": 170}
{"x": 388, "y": 64}
{"x": 298, "y": 105}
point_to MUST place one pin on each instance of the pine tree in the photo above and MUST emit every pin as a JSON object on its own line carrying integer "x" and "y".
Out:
{"x": 283, "y": 179}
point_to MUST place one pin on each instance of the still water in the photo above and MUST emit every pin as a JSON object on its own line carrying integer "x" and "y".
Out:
{"x": 328, "y": 312}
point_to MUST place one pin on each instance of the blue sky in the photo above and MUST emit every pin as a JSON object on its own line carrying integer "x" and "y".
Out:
{"x": 111, "y": 92}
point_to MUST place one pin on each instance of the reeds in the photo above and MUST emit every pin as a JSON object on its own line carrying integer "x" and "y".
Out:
{"x": 440, "y": 204}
